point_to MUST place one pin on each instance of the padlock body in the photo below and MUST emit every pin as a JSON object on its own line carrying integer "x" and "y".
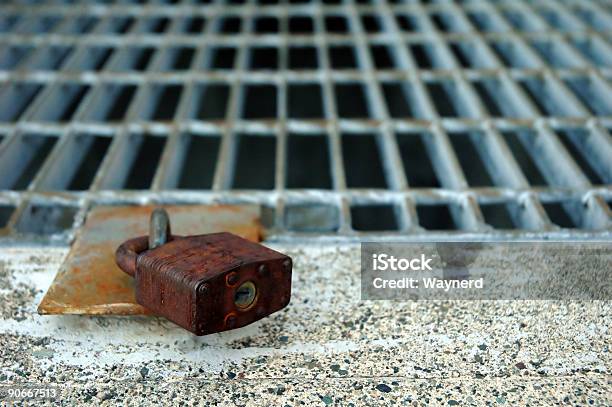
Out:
{"x": 212, "y": 283}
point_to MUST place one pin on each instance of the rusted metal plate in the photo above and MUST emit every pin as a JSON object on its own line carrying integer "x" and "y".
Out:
{"x": 89, "y": 281}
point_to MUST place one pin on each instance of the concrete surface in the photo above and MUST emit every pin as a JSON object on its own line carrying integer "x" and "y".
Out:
{"x": 326, "y": 348}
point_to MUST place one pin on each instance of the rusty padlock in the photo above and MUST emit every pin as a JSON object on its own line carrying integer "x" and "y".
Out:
{"x": 206, "y": 283}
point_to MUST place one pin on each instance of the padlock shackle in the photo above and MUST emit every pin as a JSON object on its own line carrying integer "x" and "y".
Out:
{"x": 159, "y": 233}
{"x": 159, "y": 228}
{"x": 127, "y": 254}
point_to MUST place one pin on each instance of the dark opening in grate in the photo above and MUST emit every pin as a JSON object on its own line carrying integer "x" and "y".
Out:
{"x": 49, "y": 58}
{"x": 425, "y": 56}
{"x": 231, "y": 25}
{"x": 179, "y": 59}
{"x": 121, "y": 25}
{"x": 138, "y": 59}
{"x": 260, "y": 102}
{"x": 33, "y": 151}
{"x": 499, "y": 215}
{"x": 358, "y": 149}
{"x": 264, "y": 58}
{"x": 114, "y": 103}
{"x": 94, "y": 148}
{"x": 194, "y": 25}
{"x": 336, "y": 24}
{"x": 255, "y": 163}
{"x": 558, "y": 215}
{"x": 210, "y": 102}
{"x": 16, "y": 99}
{"x": 489, "y": 99}
{"x": 95, "y": 58}
{"x": 199, "y": 163}
{"x": 342, "y": 57}
{"x": 5, "y": 214}
{"x": 222, "y": 58}
{"x": 591, "y": 96}
{"x": 303, "y": 58}
{"x": 406, "y": 22}
{"x": 351, "y": 101}
{"x": 373, "y": 218}
{"x": 301, "y": 25}
{"x": 145, "y": 163}
{"x": 398, "y": 99}
{"x": 435, "y": 217}
{"x": 13, "y": 56}
{"x": 523, "y": 157}
{"x": 166, "y": 103}
{"x": 308, "y": 162}
{"x": 574, "y": 143}
{"x": 305, "y": 101}
{"x": 417, "y": 161}
{"x": 473, "y": 167}
{"x": 442, "y": 99}
{"x": 382, "y": 57}
{"x": 266, "y": 25}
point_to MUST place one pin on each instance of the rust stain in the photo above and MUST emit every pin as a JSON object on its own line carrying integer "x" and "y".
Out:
{"x": 89, "y": 282}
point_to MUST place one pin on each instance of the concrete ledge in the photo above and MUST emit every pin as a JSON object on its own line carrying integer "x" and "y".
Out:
{"x": 327, "y": 347}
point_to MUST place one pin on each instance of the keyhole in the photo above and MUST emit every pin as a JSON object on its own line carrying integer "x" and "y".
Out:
{"x": 245, "y": 295}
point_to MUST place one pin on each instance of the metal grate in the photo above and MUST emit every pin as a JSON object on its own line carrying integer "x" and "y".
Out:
{"x": 397, "y": 119}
